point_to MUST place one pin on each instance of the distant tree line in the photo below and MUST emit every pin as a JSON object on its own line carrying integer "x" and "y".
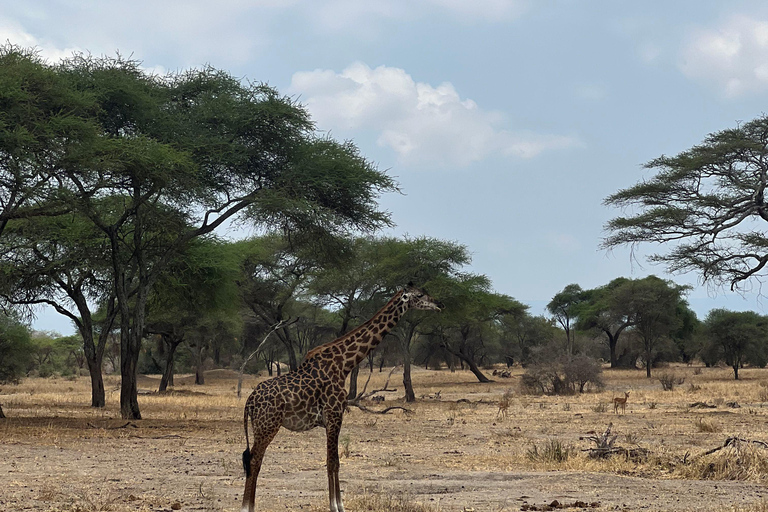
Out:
{"x": 646, "y": 322}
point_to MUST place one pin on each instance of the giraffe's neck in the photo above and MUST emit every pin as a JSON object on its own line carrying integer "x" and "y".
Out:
{"x": 358, "y": 343}
{"x": 350, "y": 349}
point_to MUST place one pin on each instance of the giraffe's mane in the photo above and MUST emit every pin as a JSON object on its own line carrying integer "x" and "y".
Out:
{"x": 321, "y": 348}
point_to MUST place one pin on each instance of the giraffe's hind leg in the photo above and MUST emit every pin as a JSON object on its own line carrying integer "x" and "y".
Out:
{"x": 265, "y": 428}
{"x": 333, "y": 426}
{"x": 260, "y": 444}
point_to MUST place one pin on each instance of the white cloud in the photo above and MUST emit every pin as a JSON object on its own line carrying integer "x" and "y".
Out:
{"x": 733, "y": 56}
{"x": 423, "y": 124}
{"x": 13, "y": 32}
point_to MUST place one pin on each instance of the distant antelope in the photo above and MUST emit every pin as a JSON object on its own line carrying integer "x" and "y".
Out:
{"x": 504, "y": 405}
{"x": 620, "y": 402}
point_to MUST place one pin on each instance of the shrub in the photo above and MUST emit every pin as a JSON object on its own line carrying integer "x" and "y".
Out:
{"x": 564, "y": 375}
{"x": 669, "y": 380}
{"x": 553, "y": 451}
{"x": 15, "y": 349}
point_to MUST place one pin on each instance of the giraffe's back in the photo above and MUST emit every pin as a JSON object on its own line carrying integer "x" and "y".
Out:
{"x": 296, "y": 400}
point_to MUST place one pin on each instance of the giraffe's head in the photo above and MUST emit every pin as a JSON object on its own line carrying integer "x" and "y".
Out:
{"x": 418, "y": 299}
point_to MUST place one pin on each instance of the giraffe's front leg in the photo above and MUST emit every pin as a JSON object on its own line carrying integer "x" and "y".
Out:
{"x": 333, "y": 427}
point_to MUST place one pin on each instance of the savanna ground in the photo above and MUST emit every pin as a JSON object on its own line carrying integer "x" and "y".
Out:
{"x": 453, "y": 452}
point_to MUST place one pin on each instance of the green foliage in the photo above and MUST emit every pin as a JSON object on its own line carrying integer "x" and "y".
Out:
{"x": 708, "y": 201}
{"x": 564, "y": 306}
{"x": 15, "y": 349}
{"x": 52, "y": 354}
{"x": 736, "y": 338}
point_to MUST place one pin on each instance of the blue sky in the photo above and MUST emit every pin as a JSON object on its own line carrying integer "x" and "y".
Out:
{"x": 506, "y": 122}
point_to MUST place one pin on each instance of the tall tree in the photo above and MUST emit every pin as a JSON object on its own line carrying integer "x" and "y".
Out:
{"x": 423, "y": 261}
{"x": 564, "y": 307}
{"x": 709, "y": 202}
{"x": 198, "y": 289}
{"x": 352, "y": 288}
{"x": 15, "y": 348}
{"x": 739, "y": 337}
{"x": 608, "y": 309}
{"x": 59, "y": 261}
{"x": 655, "y": 304}
{"x": 175, "y": 157}
{"x": 275, "y": 273}
{"x": 471, "y": 311}
{"x": 42, "y": 121}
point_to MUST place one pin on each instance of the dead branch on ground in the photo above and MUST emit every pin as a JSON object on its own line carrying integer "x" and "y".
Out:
{"x": 604, "y": 446}
{"x": 731, "y": 441}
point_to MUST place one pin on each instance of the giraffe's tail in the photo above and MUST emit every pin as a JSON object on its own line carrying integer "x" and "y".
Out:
{"x": 247, "y": 452}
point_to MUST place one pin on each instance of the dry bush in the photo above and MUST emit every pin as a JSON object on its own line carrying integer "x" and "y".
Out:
{"x": 565, "y": 375}
{"x": 553, "y": 450}
{"x": 703, "y": 425}
{"x": 669, "y": 380}
{"x": 738, "y": 461}
{"x": 386, "y": 502}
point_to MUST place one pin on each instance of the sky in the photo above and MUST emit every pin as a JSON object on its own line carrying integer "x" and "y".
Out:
{"x": 505, "y": 122}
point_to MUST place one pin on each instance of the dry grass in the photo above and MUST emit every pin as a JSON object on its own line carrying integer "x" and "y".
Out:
{"x": 382, "y": 502}
{"x": 463, "y": 430}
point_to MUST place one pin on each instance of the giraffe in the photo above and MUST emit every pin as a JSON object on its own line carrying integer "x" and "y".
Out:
{"x": 314, "y": 395}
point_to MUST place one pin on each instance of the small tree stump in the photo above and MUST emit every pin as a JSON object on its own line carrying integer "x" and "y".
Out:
{"x": 1, "y": 411}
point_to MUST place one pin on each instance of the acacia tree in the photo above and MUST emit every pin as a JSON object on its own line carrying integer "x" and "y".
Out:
{"x": 471, "y": 311}
{"x": 527, "y": 332}
{"x": 655, "y": 304}
{"x": 738, "y": 336}
{"x": 709, "y": 202}
{"x": 420, "y": 260}
{"x": 58, "y": 261}
{"x": 197, "y": 289}
{"x": 169, "y": 159}
{"x": 15, "y": 348}
{"x": 42, "y": 120}
{"x": 608, "y": 309}
{"x": 274, "y": 274}
{"x": 564, "y": 307}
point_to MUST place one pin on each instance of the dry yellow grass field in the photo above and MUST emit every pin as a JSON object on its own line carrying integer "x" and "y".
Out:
{"x": 455, "y": 450}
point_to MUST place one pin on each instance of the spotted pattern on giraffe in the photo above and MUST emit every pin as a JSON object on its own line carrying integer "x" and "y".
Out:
{"x": 314, "y": 396}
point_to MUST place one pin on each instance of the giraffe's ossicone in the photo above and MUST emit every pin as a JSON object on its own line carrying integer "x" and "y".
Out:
{"x": 313, "y": 395}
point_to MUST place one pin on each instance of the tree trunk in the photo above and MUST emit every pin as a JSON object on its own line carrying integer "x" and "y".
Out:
{"x": 353, "y": 383}
{"x": 470, "y": 364}
{"x": 612, "y": 342}
{"x": 285, "y": 338}
{"x": 129, "y": 362}
{"x": 410, "y": 396}
{"x": 199, "y": 372}
{"x": 736, "y": 372}
{"x": 648, "y": 364}
{"x": 171, "y": 344}
{"x": 2, "y": 415}
{"x": 98, "y": 398}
